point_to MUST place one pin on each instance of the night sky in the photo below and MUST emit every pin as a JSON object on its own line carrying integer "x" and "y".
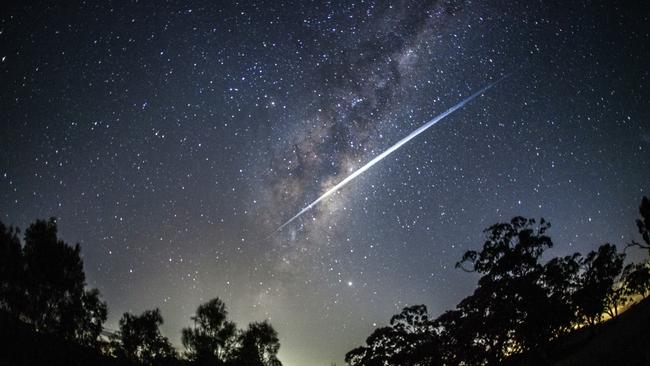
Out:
{"x": 171, "y": 139}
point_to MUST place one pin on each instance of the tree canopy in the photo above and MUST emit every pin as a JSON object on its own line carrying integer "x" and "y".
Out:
{"x": 43, "y": 282}
{"x": 258, "y": 345}
{"x": 207, "y": 341}
{"x": 643, "y": 224}
{"x": 520, "y": 305}
{"x": 139, "y": 339}
{"x": 213, "y": 340}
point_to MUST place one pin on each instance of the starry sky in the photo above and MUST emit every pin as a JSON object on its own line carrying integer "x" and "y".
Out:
{"x": 172, "y": 138}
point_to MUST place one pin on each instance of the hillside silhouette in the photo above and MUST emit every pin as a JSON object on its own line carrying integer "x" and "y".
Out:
{"x": 622, "y": 340}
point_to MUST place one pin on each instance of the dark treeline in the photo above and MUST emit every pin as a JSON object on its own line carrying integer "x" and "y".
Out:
{"x": 44, "y": 300}
{"x": 521, "y": 305}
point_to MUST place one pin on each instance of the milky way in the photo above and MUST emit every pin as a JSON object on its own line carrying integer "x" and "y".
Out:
{"x": 385, "y": 153}
{"x": 168, "y": 138}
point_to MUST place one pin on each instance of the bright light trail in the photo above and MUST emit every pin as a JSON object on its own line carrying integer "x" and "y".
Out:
{"x": 390, "y": 150}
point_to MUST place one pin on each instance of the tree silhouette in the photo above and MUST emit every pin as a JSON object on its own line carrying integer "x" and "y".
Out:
{"x": 11, "y": 270}
{"x": 637, "y": 276}
{"x": 382, "y": 348}
{"x": 54, "y": 279}
{"x": 595, "y": 293}
{"x": 139, "y": 339}
{"x": 420, "y": 340}
{"x": 511, "y": 249}
{"x": 457, "y": 330}
{"x": 643, "y": 224}
{"x": 513, "y": 309}
{"x": 257, "y": 346}
{"x": 519, "y": 306}
{"x": 93, "y": 317}
{"x": 206, "y": 342}
{"x": 409, "y": 340}
{"x": 560, "y": 278}
{"x": 637, "y": 279}
{"x": 516, "y": 303}
{"x": 43, "y": 283}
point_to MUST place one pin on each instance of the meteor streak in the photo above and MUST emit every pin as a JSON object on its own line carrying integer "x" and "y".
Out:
{"x": 390, "y": 150}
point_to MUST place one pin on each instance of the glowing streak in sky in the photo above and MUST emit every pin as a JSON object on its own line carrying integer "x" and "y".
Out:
{"x": 390, "y": 150}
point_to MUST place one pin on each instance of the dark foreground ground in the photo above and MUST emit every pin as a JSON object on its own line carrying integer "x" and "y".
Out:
{"x": 20, "y": 345}
{"x": 624, "y": 340}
